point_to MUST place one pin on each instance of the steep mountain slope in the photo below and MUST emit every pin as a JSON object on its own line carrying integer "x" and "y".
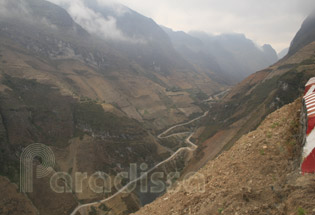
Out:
{"x": 232, "y": 55}
{"x": 258, "y": 175}
{"x": 249, "y": 102}
{"x": 305, "y": 35}
{"x": 121, "y": 79}
{"x": 78, "y": 94}
{"x": 41, "y": 12}
{"x": 148, "y": 44}
{"x": 283, "y": 53}
{"x": 97, "y": 90}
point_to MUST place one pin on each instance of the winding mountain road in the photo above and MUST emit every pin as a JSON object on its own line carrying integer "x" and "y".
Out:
{"x": 160, "y": 136}
{"x": 192, "y": 148}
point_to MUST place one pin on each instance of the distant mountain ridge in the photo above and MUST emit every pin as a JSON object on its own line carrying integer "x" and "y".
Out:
{"x": 244, "y": 107}
{"x": 227, "y": 58}
{"x": 233, "y": 55}
{"x": 283, "y": 53}
{"x": 305, "y": 35}
{"x": 96, "y": 83}
{"x": 239, "y": 123}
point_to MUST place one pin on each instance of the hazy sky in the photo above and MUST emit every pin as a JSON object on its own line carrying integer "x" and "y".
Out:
{"x": 270, "y": 21}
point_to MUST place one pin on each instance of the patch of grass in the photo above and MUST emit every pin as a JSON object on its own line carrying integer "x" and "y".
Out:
{"x": 292, "y": 143}
{"x": 81, "y": 201}
{"x": 301, "y": 211}
{"x": 307, "y": 62}
{"x": 262, "y": 152}
{"x": 209, "y": 131}
{"x": 201, "y": 95}
{"x": 174, "y": 89}
{"x": 220, "y": 210}
{"x": 93, "y": 211}
{"x": 275, "y": 125}
{"x": 103, "y": 207}
{"x": 70, "y": 170}
{"x": 287, "y": 66}
{"x": 92, "y": 116}
{"x": 81, "y": 72}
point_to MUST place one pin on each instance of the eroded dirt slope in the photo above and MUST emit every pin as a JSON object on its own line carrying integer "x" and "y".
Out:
{"x": 258, "y": 175}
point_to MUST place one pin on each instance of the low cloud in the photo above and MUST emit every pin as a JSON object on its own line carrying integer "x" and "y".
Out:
{"x": 21, "y": 10}
{"x": 269, "y": 21}
{"x": 16, "y": 9}
{"x": 96, "y": 23}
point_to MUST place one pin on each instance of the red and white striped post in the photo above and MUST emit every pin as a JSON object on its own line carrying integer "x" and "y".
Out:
{"x": 308, "y": 162}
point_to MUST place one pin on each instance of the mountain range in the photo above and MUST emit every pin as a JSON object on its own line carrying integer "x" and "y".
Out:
{"x": 98, "y": 83}
{"x": 231, "y": 55}
{"x": 250, "y": 144}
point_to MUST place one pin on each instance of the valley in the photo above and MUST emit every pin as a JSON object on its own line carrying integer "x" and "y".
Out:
{"x": 134, "y": 108}
{"x": 192, "y": 148}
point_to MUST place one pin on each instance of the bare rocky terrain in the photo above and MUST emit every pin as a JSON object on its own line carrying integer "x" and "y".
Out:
{"x": 260, "y": 174}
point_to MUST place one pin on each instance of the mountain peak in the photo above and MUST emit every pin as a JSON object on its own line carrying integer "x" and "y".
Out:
{"x": 40, "y": 13}
{"x": 305, "y": 35}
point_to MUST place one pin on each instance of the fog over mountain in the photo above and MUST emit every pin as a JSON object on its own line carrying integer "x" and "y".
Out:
{"x": 228, "y": 57}
{"x": 305, "y": 35}
{"x": 105, "y": 87}
{"x": 283, "y": 53}
{"x": 272, "y": 22}
{"x": 231, "y": 54}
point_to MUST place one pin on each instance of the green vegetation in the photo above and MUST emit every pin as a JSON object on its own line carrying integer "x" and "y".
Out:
{"x": 155, "y": 79}
{"x": 93, "y": 211}
{"x": 70, "y": 170}
{"x": 103, "y": 207}
{"x": 173, "y": 89}
{"x": 92, "y": 116}
{"x": 292, "y": 143}
{"x": 307, "y": 62}
{"x": 301, "y": 211}
{"x": 287, "y": 66}
{"x": 81, "y": 72}
{"x": 173, "y": 143}
{"x": 262, "y": 152}
{"x": 209, "y": 131}
{"x": 275, "y": 125}
{"x": 200, "y": 96}
{"x": 265, "y": 97}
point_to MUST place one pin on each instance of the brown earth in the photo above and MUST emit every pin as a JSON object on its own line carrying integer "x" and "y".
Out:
{"x": 259, "y": 175}
{"x": 244, "y": 107}
{"x": 14, "y": 202}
